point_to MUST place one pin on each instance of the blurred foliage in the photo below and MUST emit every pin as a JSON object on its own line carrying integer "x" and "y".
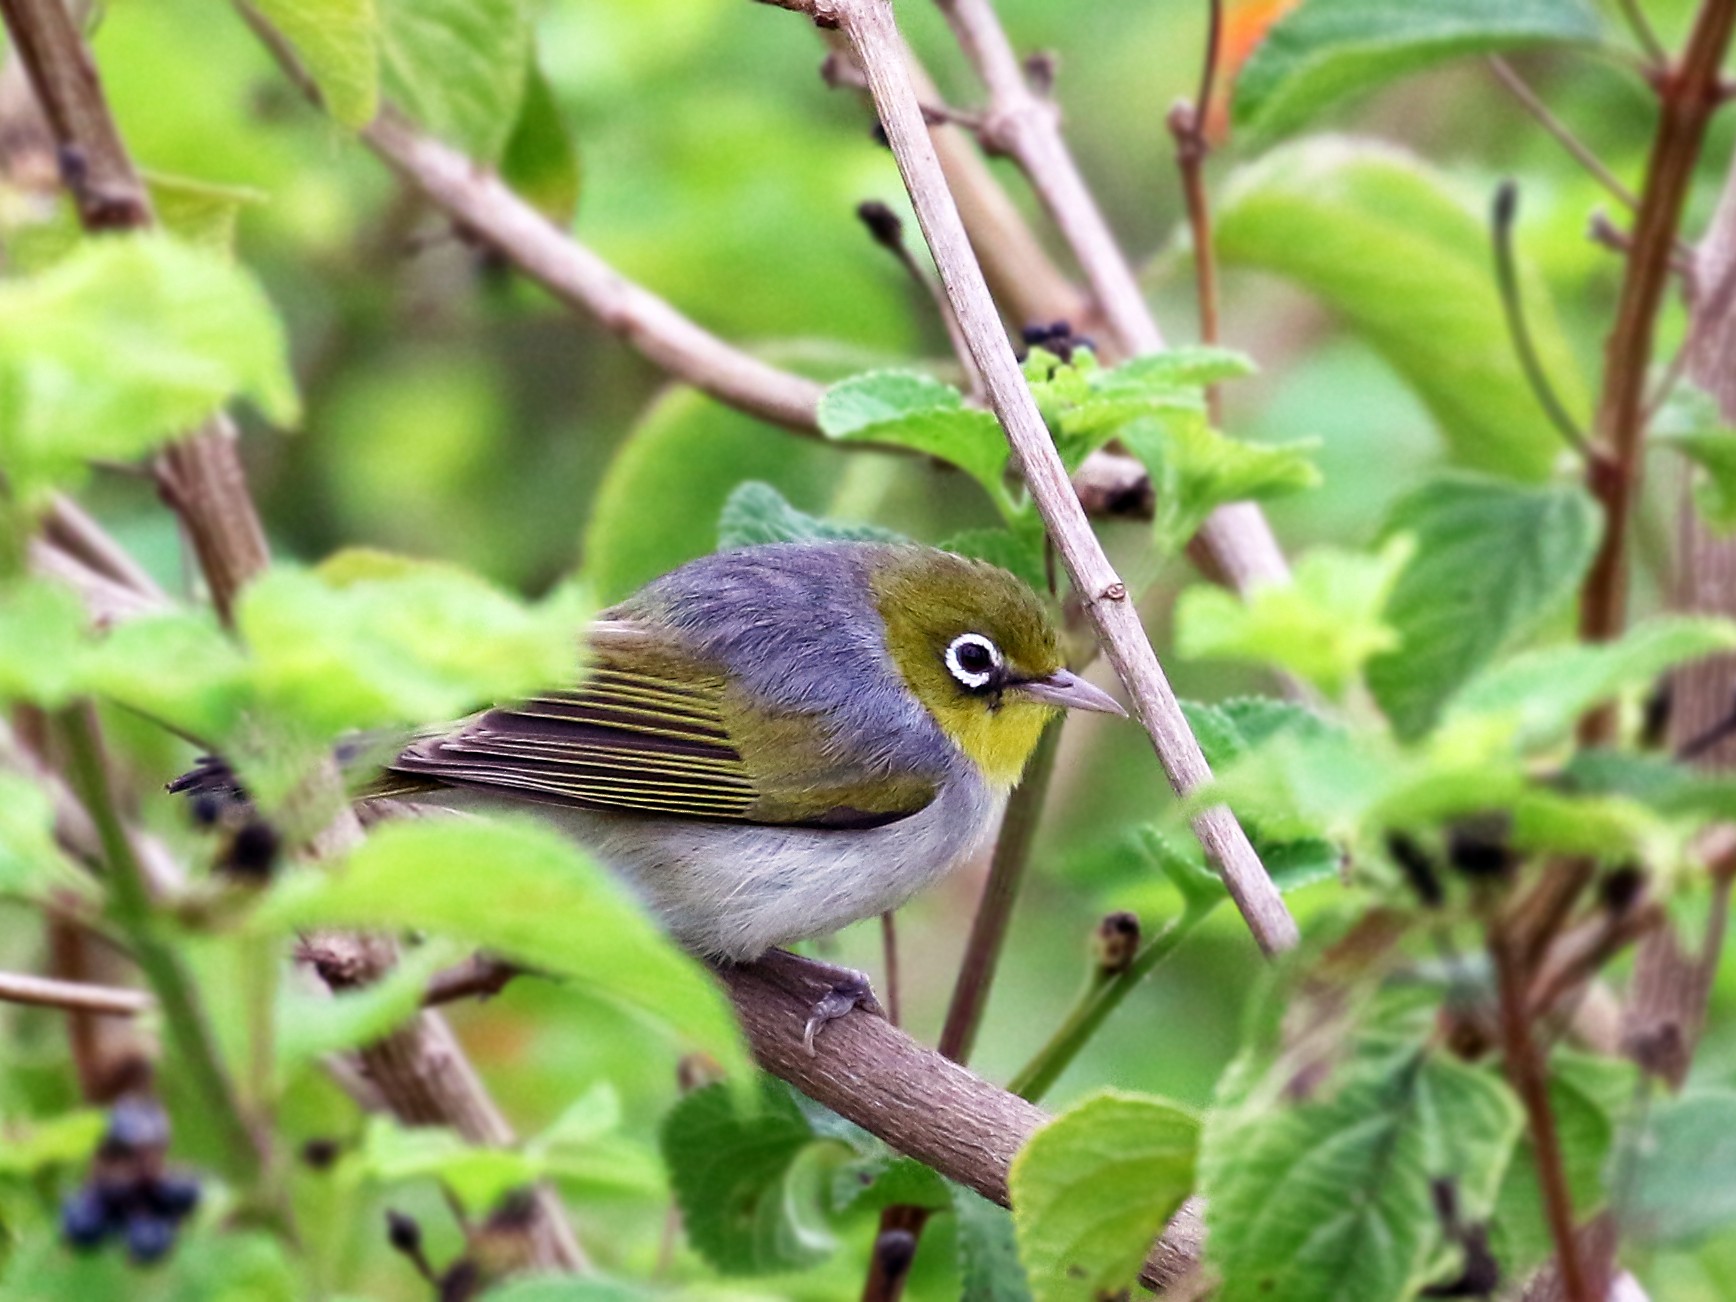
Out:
{"x": 451, "y": 411}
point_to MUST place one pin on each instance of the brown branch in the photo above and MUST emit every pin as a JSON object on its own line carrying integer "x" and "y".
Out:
{"x": 1530, "y": 1080}
{"x": 1688, "y": 96}
{"x": 869, "y": 27}
{"x": 917, "y": 1101}
{"x": 72, "y": 996}
{"x": 1186, "y": 124}
{"x": 1235, "y": 545}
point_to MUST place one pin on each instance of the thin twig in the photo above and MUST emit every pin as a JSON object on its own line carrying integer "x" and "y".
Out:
{"x": 1526, "y": 1072}
{"x": 868, "y": 26}
{"x": 1187, "y": 126}
{"x": 1688, "y": 96}
{"x": 1581, "y": 152}
{"x": 887, "y": 230}
{"x": 890, "y": 983}
{"x": 1644, "y": 32}
{"x": 72, "y": 996}
{"x": 1502, "y": 215}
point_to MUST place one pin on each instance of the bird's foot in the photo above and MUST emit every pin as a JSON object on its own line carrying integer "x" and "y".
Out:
{"x": 844, "y": 989}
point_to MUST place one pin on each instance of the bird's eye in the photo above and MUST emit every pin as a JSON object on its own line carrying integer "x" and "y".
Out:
{"x": 973, "y": 660}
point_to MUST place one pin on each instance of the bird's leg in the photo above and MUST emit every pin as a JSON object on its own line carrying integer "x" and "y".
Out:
{"x": 844, "y": 988}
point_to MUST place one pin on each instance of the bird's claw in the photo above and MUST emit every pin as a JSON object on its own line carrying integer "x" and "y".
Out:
{"x": 848, "y": 991}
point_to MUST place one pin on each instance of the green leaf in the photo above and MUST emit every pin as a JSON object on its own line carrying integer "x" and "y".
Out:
{"x": 65, "y": 1140}
{"x": 43, "y": 646}
{"x": 458, "y": 67}
{"x": 541, "y": 162}
{"x": 178, "y": 668}
{"x": 1194, "y": 470}
{"x": 988, "y": 1251}
{"x": 757, "y": 513}
{"x": 1692, "y": 425}
{"x": 1092, "y": 1188}
{"x": 1323, "y": 625}
{"x": 732, "y": 1171}
{"x": 1328, "y": 50}
{"x": 338, "y": 42}
{"x": 1382, "y": 241}
{"x": 687, "y": 455}
{"x": 479, "y": 1177}
{"x": 1682, "y": 1190}
{"x": 884, "y": 1179}
{"x": 1589, "y": 1097}
{"x": 1541, "y": 693}
{"x": 1018, "y": 549}
{"x": 908, "y": 410}
{"x": 123, "y": 344}
{"x": 527, "y": 894}
{"x": 556, "y": 1289}
{"x": 588, "y": 1118}
{"x": 200, "y": 213}
{"x": 426, "y": 644}
{"x": 1492, "y": 562}
{"x": 1329, "y": 1199}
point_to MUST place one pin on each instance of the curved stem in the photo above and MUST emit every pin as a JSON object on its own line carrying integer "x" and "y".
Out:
{"x": 1102, "y": 996}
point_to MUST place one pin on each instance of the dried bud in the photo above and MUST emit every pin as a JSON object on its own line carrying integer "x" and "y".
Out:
{"x": 252, "y": 850}
{"x": 321, "y": 1154}
{"x": 895, "y": 1250}
{"x": 883, "y": 224}
{"x": 1620, "y": 887}
{"x": 695, "y": 1071}
{"x": 1115, "y": 942}
{"x": 1040, "y": 69}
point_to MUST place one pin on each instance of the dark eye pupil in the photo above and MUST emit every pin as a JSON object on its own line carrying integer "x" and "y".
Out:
{"x": 975, "y": 657}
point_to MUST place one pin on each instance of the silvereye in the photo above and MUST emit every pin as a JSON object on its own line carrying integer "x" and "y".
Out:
{"x": 773, "y": 742}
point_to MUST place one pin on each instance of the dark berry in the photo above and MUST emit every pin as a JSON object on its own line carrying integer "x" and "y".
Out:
{"x": 137, "y": 1124}
{"x": 320, "y": 1154}
{"x": 84, "y": 1219}
{"x": 172, "y": 1195}
{"x": 1034, "y": 334}
{"x": 149, "y": 1237}
{"x": 206, "y": 809}
{"x": 1621, "y": 887}
{"x": 1477, "y": 846}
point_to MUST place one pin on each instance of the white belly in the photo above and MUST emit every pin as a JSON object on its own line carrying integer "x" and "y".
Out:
{"x": 733, "y": 891}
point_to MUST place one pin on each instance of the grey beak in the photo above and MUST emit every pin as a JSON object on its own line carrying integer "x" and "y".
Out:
{"x": 1070, "y": 692}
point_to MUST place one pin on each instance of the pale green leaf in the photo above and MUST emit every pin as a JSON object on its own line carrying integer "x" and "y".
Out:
{"x": 1194, "y": 470}
{"x": 1691, "y": 424}
{"x": 588, "y": 1118}
{"x": 527, "y": 894}
{"x": 311, "y": 1025}
{"x": 43, "y": 645}
{"x": 123, "y": 344}
{"x": 200, "y": 212}
{"x": 733, "y": 1171}
{"x": 65, "y": 1140}
{"x": 1492, "y": 561}
{"x": 1092, "y": 1188}
{"x": 1328, "y": 1199}
{"x": 1540, "y": 694}
{"x": 1682, "y": 1189}
{"x": 177, "y": 667}
{"x": 757, "y": 513}
{"x": 1018, "y": 549}
{"x": 479, "y": 1177}
{"x": 1383, "y": 241}
{"x": 458, "y": 67}
{"x": 426, "y": 645}
{"x": 908, "y": 410}
{"x": 338, "y": 42}
{"x": 1327, "y": 50}
{"x": 1323, "y": 625}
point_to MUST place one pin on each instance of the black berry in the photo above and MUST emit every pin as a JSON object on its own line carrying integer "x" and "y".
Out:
{"x": 403, "y": 1232}
{"x": 84, "y": 1219}
{"x": 137, "y": 1124}
{"x": 172, "y": 1195}
{"x": 253, "y": 850}
{"x": 149, "y": 1237}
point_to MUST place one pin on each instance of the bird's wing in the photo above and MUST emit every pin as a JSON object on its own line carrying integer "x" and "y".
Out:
{"x": 664, "y": 737}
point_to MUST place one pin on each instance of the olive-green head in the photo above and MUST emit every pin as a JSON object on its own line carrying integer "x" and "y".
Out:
{"x": 977, "y": 648}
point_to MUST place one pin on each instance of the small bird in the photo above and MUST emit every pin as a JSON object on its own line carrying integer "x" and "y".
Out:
{"x": 770, "y": 743}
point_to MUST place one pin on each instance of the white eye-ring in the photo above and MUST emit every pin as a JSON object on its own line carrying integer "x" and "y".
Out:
{"x": 973, "y": 660}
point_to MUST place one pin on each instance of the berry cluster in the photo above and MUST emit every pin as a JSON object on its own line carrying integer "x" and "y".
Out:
{"x": 129, "y": 1194}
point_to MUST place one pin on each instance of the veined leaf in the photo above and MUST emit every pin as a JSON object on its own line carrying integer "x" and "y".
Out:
{"x": 1323, "y": 625}
{"x": 338, "y": 42}
{"x": 480, "y": 1177}
{"x": 909, "y": 410}
{"x": 1682, "y": 1189}
{"x": 1380, "y": 238}
{"x": 528, "y": 894}
{"x": 1093, "y": 1188}
{"x": 988, "y": 1251}
{"x": 540, "y": 162}
{"x": 458, "y": 67}
{"x": 1492, "y": 561}
{"x": 757, "y": 513}
{"x": 1329, "y": 1200}
{"x": 1327, "y": 50}
{"x": 123, "y": 344}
